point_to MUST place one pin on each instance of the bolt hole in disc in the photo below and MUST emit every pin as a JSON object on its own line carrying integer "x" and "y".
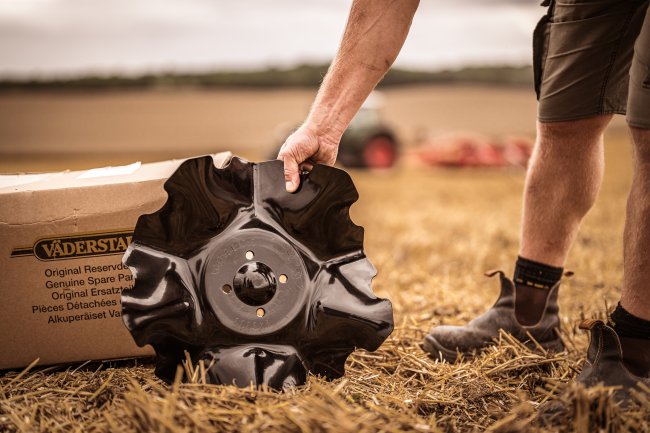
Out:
{"x": 250, "y": 255}
{"x": 260, "y": 312}
{"x": 282, "y": 278}
{"x": 227, "y": 288}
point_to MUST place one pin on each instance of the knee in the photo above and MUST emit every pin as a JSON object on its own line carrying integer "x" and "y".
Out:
{"x": 569, "y": 136}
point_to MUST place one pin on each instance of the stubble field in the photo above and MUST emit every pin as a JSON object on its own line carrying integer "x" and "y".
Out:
{"x": 431, "y": 233}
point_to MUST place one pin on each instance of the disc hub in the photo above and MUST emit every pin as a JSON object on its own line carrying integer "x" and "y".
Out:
{"x": 255, "y": 283}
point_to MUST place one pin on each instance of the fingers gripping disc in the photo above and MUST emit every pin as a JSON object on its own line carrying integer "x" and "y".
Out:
{"x": 260, "y": 285}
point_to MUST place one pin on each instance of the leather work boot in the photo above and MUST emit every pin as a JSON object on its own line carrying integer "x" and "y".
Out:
{"x": 520, "y": 310}
{"x": 615, "y": 361}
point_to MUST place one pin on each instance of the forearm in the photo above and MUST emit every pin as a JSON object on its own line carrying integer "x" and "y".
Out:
{"x": 373, "y": 37}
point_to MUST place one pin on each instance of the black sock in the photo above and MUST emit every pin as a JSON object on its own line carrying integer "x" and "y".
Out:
{"x": 627, "y": 325}
{"x": 535, "y": 274}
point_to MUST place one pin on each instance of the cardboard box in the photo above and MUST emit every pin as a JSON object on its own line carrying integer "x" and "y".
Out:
{"x": 62, "y": 238}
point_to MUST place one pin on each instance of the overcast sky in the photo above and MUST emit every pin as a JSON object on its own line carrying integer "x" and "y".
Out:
{"x": 58, "y": 37}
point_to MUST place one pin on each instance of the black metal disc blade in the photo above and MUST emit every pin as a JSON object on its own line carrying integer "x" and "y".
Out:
{"x": 259, "y": 285}
{"x": 278, "y": 367}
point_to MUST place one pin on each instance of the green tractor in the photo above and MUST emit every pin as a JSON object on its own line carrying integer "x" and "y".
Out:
{"x": 368, "y": 142}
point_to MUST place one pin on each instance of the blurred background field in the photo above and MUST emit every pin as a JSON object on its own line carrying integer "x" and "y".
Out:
{"x": 49, "y": 130}
{"x": 95, "y": 83}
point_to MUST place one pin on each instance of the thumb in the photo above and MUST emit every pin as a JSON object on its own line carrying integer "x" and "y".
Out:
{"x": 291, "y": 176}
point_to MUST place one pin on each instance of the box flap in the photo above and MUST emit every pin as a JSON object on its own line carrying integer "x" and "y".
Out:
{"x": 136, "y": 172}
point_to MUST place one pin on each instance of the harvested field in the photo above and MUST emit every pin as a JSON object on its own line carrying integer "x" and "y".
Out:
{"x": 431, "y": 234}
{"x": 48, "y": 131}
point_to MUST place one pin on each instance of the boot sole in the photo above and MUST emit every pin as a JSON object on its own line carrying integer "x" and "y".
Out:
{"x": 437, "y": 350}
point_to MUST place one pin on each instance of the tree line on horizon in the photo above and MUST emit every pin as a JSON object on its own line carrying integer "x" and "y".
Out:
{"x": 306, "y": 76}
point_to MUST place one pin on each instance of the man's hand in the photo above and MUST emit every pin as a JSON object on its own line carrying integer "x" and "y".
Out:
{"x": 304, "y": 148}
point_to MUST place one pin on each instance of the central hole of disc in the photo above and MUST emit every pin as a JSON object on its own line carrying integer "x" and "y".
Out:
{"x": 254, "y": 283}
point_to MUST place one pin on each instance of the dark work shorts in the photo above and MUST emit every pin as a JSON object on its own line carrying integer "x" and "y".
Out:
{"x": 592, "y": 57}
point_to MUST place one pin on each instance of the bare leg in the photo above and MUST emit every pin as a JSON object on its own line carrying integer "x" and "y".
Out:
{"x": 562, "y": 184}
{"x": 636, "y": 257}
